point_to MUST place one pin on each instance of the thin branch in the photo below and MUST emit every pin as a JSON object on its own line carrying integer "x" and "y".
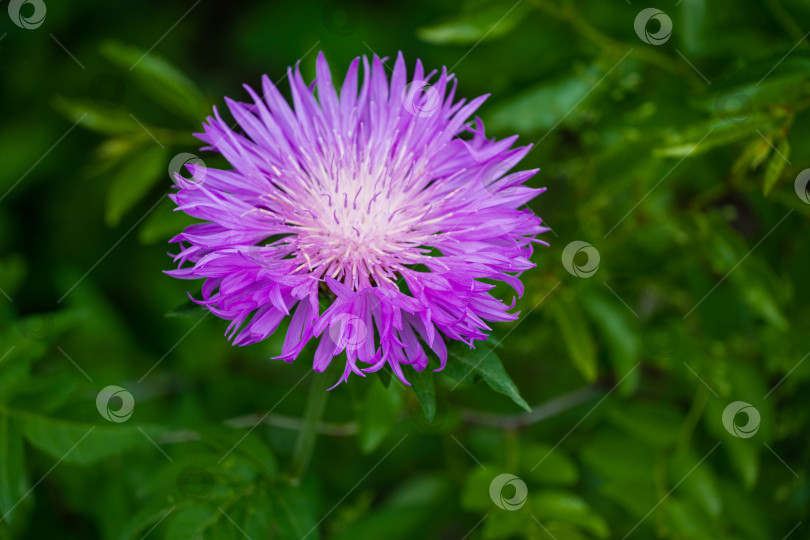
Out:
{"x": 541, "y": 412}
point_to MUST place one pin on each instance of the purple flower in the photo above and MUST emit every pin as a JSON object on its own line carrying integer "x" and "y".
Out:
{"x": 383, "y": 199}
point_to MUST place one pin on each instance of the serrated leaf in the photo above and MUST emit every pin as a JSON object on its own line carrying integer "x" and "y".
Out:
{"x": 133, "y": 180}
{"x": 425, "y": 390}
{"x": 465, "y": 364}
{"x": 159, "y": 79}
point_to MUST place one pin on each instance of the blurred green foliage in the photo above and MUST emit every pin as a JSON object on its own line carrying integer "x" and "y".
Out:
{"x": 673, "y": 155}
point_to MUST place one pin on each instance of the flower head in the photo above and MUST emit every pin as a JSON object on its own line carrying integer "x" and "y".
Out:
{"x": 382, "y": 198}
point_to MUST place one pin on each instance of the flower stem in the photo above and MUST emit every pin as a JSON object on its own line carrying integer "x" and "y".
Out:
{"x": 305, "y": 444}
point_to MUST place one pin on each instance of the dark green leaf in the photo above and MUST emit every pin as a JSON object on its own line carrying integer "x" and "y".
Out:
{"x": 425, "y": 390}
{"x": 133, "y": 181}
{"x": 161, "y": 80}
{"x": 465, "y": 364}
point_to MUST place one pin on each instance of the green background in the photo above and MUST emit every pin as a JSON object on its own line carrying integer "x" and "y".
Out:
{"x": 676, "y": 161}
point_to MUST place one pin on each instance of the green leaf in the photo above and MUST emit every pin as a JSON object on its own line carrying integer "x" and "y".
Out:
{"x": 489, "y": 21}
{"x": 548, "y": 465}
{"x": 468, "y": 364}
{"x": 145, "y": 518}
{"x": 613, "y": 322}
{"x": 404, "y": 513}
{"x": 12, "y": 273}
{"x": 654, "y": 422}
{"x": 95, "y": 118}
{"x": 249, "y": 445}
{"x": 378, "y": 415}
{"x": 577, "y": 336}
{"x": 164, "y": 223}
{"x": 159, "y": 79}
{"x": 542, "y": 107}
{"x": 192, "y": 522}
{"x": 425, "y": 390}
{"x": 190, "y": 309}
{"x": 702, "y": 137}
{"x": 133, "y": 180}
{"x": 475, "y": 491}
{"x": 26, "y": 342}
{"x": 615, "y": 457}
{"x": 81, "y": 443}
{"x": 687, "y": 520}
{"x": 569, "y": 508}
{"x": 776, "y": 165}
{"x": 13, "y": 482}
{"x": 294, "y": 515}
{"x": 697, "y": 481}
